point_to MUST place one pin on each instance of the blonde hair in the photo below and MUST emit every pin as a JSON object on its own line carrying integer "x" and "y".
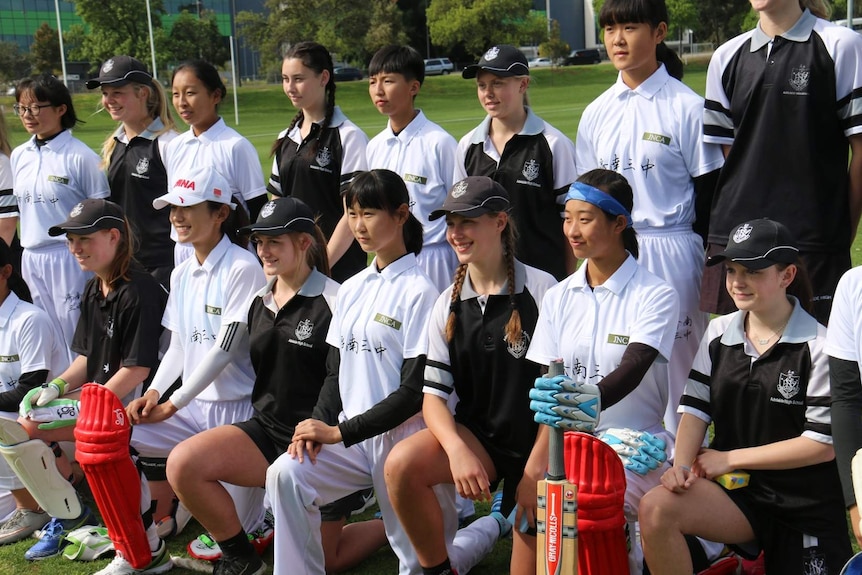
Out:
{"x": 5, "y": 148}
{"x": 157, "y": 107}
{"x": 820, "y": 8}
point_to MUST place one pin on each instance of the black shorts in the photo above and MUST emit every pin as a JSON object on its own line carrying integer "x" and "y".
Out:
{"x": 335, "y": 511}
{"x": 509, "y": 470}
{"x": 824, "y": 271}
{"x": 789, "y": 551}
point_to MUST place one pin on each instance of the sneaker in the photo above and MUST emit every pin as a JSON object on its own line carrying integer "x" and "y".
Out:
{"x": 497, "y": 513}
{"x": 249, "y": 565}
{"x": 368, "y": 499}
{"x": 21, "y": 525}
{"x": 173, "y": 524}
{"x": 206, "y": 548}
{"x": 160, "y": 563}
{"x": 52, "y": 540}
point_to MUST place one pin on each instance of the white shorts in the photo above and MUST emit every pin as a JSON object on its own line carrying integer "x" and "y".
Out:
{"x": 677, "y": 256}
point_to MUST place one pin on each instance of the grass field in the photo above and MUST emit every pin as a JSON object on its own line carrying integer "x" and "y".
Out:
{"x": 559, "y": 96}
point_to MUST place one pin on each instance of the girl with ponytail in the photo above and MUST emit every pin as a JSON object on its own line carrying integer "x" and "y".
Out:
{"x": 648, "y": 127}
{"x": 320, "y": 152}
{"x": 479, "y": 332}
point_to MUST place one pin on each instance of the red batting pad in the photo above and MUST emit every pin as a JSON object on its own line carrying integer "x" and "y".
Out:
{"x": 102, "y": 445}
{"x": 598, "y": 472}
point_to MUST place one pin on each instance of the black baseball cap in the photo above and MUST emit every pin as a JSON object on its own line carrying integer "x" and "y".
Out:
{"x": 501, "y": 60}
{"x": 472, "y": 197}
{"x": 280, "y": 216}
{"x": 758, "y": 244}
{"x": 89, "y": 216}
{"x": 119, "y": 71}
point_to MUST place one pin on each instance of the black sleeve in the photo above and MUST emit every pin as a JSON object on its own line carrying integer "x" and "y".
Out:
{"x": 10, "y": 400}
{"x": 254, "y": 206}
{"x": 329, "y": 400}
{"x": 395, "y": 409}
{"x": 846, "y": 388}
{"x": 704, "y": 190}
{"x": 636, "y": 361}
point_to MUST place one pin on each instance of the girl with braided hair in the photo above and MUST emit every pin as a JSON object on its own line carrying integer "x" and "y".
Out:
{"x": 319, "y": 153}
{"x": 478, "y": 336}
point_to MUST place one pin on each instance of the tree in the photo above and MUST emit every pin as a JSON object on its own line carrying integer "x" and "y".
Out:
{"x": 194, "y": 37}
{"x": 13, "y": 64}
{"x": 118, "y": 28}
{"x": 554, "y": 48}
{"x": 45, "y": 49}
{"x": 477, "y": 24}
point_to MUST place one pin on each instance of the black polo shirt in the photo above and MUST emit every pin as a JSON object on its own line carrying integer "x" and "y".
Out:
{"x": 137, "y": 176}
{"x": 782, "y": 394}
{"x": 317, "y": 170}
{"x": 786, "y": 108}
{"x": 288, "y": 353}
{"x": 527, "y": 170}
{"x": 122, "y": 329}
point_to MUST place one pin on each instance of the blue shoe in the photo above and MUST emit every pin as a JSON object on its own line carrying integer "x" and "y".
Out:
{"x": 53, "y": 539}
{"x": 497, "y": 513}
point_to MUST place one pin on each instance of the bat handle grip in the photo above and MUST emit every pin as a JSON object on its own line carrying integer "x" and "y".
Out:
{"x": 556, "y": 459}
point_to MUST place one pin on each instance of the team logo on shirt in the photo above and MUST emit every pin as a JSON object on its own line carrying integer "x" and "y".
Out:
{"x": 491, "y": 54}
{"x": 517, "y": 349}
{"x": 324, "y": 156}
{"x": 413, "y": 179}
{"x": 108, "y": 66}
{"x": 742, "y": 234}
{"x": 76, "y": 211}
{"x": 788, "y": 384}
{"x": 142, "y": 166}
{"x": 267, "y": 209}
{"x": 799, "y": 78}
{"x": 531, "y": 170}
{"x": 459, "y": 190}
{"x": 9, "y": 358}
{"x": 303, "y": 329}
{"x": 59, "y": 179}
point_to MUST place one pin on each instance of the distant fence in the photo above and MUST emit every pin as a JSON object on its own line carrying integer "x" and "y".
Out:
{"x": 687, "y": 48}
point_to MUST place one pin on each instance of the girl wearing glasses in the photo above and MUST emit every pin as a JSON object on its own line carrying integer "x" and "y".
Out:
{"x": 52, "y": 173}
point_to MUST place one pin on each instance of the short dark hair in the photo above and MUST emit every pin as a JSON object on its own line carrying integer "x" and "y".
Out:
{"x": 616, "y": 186}
{"x": 48, "y": 88}
{"x": 404, "y": 60}
{"x": 385, "y": 190}
{"x": 206, "y": 73}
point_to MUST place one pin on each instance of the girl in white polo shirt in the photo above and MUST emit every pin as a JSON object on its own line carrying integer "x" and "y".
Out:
{"x": 612, "y": 322}
{"x": 373, "y": 393}
{"x": 648, "y": 127}
{"x": 197, "y": 92}
{"x": 53, "y": 172}
{"x": 207, "y": 314}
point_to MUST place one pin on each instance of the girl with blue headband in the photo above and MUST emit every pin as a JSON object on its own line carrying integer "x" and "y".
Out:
{"x": 613, "y": 324}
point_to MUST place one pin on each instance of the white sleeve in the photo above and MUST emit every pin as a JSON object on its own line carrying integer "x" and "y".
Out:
{"x": 544, "y": 346}
{"x": 438, "y": 372}
{"x": 695, "y": 399}
{"x": 8, "y": 199}
{"x": 563, "y": 151}
{"x": 247, "y": 175}
{"x": 700, "y": 157}
{"x": 35, "y": 341}
{"x": 353, "y": 144}
{"x": 585, "y": 150}
{"x": 171, "y": 366}
{"x": 655, "y": 324}
{"x": 717, "y": 120}
{"x": 93, "y": 181}
{"x": 845, "y": 320}
{"x": 460, "y": 157}
{"x": 416, "y": 323}
{"x": 246, "y": 280}
{"x": 447, "y": 153}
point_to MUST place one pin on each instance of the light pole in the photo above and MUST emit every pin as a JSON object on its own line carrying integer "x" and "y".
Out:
{"x": 152, "y": 42}
{"x": 60, "y": 36}
{"x": 427, "y": 33}
{"x": 850, "y": 14}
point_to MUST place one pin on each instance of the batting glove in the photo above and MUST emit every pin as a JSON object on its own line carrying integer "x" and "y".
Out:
{"x": 57, "y": 413}
{"x": 560, "y": 402}
{"x": 42, "y": 395}
{"x": 640, "y": 451}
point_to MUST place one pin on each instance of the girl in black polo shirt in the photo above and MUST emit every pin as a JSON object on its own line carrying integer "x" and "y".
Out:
{"x": 761, "y": 376}
{"x": 319, "y": 153}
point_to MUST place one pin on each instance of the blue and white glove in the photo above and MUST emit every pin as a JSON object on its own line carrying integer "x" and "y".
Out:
{"x": 560, "y": 402}
{"x": 640, "y": 451}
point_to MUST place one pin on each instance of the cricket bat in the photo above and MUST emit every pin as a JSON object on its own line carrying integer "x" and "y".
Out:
{"x": 854, "y": 565}
{"x": 557, "y": 514}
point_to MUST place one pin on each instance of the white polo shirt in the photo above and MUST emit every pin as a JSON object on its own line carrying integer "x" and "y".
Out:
{"x": 381, "y": 319}
{"x": 423, "y": 154}
{"x": 590, "y": 328}
{"x": 652, "y": 135}
{"x": 205, "y": 296}
{"x": 52, "y": 179}
{"x": 224, "y": 149}
{"x": 27, "y": 343}
{"x": 844, "y": 336}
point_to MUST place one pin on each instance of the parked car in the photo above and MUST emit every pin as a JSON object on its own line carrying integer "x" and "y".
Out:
{"x": 436, "y": 66}
{"x": 346, "y": 74}
{"x": 585, "y": 56}
{"x": 540, "y": 63}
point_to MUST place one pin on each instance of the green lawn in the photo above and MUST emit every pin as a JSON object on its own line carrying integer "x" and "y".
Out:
{"x": 559, "y": 96}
